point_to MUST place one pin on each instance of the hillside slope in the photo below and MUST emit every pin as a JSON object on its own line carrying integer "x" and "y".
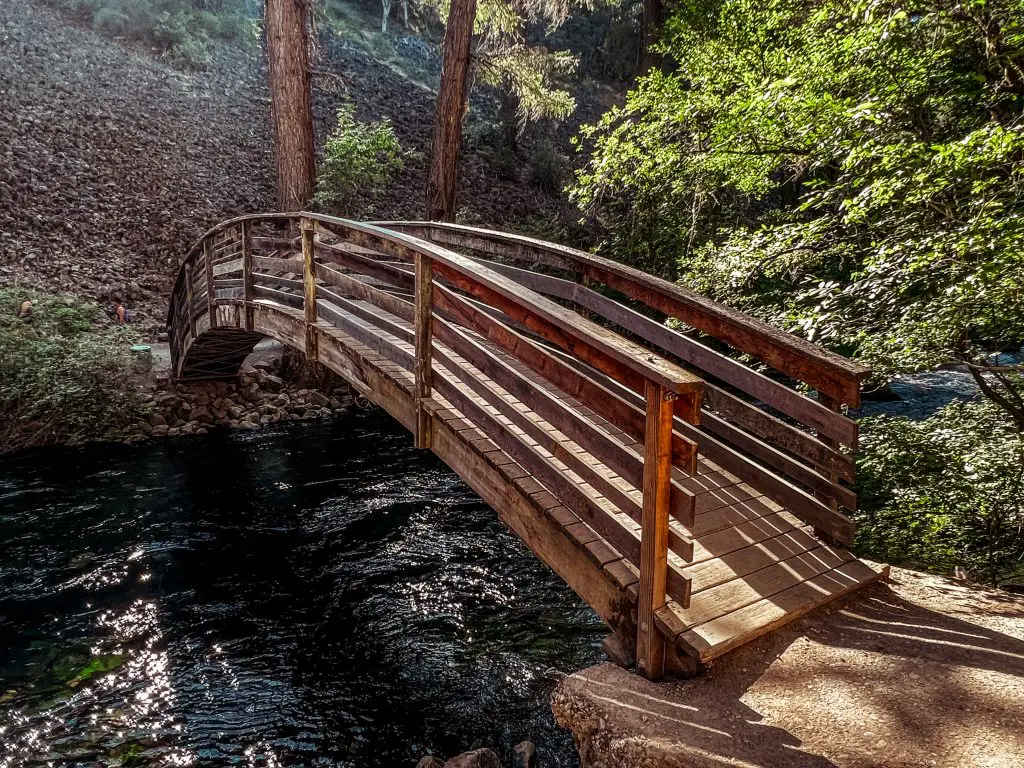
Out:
{"x": 113, "y": 162}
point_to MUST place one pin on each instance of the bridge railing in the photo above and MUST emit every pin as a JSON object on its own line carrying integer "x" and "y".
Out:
{"x": 464, "y": 336}
{"x": 757, "y": 424}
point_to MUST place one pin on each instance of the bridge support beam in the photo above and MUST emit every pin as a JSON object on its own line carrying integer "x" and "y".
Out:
{"x": 650, "y": 642}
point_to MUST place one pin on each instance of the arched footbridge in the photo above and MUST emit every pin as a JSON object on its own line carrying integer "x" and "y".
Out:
{"x": 694, "y": 501}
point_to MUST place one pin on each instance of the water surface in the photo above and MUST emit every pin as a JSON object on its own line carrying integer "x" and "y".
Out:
{"x": 307, "y": 595}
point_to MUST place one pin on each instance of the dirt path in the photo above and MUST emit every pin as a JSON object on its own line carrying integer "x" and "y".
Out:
{"x": 919, "y": 672}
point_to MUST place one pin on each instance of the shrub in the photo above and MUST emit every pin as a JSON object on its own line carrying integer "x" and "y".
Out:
{"x": 546, "y": 168}
{"x": 944, "y": 492}
{"x": 183, "y": 29}
{"x": 358, "y": 156}
{"x": 62, "y": 376}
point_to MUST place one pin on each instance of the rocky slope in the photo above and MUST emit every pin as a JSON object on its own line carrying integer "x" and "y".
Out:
{"x": 112, "y": 162}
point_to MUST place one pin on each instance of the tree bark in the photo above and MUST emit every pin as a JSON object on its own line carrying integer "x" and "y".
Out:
{"x": 451, "y": 107}
{"x": 654, "y": 18}
{"x": 291, "y": 103}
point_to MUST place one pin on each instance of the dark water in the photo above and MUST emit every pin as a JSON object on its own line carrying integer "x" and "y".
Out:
{"x": 304, "y": 596}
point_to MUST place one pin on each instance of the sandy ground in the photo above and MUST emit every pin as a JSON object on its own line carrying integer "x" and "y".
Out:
{"x": 922, "y": 671}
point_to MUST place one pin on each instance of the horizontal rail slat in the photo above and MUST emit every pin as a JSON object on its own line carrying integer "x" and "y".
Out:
{"x": 271, "y": 264}
{"x": 625, "y": 462}
{"x": 281, "y": 297}
{"x": 259, "y": 278}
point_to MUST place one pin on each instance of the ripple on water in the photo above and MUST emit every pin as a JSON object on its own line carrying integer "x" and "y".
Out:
{"x": 308, "y": 595}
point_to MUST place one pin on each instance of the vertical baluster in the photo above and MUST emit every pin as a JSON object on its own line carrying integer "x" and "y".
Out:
{"x": 247, "y": 273}
{"x": 831, "y": 472}
{"x": 190, "y": 300}
{"x": 308, "y": 228}
{"x": 211, "y": 294}
{"x": 424, "y": 334}
{"x": 650, "y": 643}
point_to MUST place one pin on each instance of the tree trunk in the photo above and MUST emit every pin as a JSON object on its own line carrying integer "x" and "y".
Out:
{"x": 451, "y": 107}
{"x": 290, "y": 101}
{"x": 654, "y": 18}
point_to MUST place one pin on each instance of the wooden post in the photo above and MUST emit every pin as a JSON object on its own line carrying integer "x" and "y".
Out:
{"x": 211, "y": 294}
{"x": 650, "y": 643}
{"x": 247, "y": 293}
{"x": 308, "y": 228}
{"x": 831, "y": 472}
{"x": 190, "y": 299}
{"x": 424, "y": 336}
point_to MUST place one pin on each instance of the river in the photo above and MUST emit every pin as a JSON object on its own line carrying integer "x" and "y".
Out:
{"x": 304, "y": 595}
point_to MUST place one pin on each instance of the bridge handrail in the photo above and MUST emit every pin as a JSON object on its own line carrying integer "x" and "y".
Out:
{"x": 829, "y": 373}
{"x": 466, "y": 273}
{"x": 801, "y": 470}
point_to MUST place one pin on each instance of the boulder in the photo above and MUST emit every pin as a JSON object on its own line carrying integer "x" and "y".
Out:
{"x": 202, "y": 414}
{"x": 271, "y": 383}
{"x": 524, "y": 755}
{"x": 319, "y": 399}
{"x": 478, "y": 758}
{"x": 429, "y": 762}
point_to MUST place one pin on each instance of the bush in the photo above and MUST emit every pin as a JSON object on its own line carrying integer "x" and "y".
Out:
{"x": 183, "y": 29}
{"x": 358, "y": 156}
{"x": 944, "y": 492}
{"x": 546, "y": 168}
{"x": 62, "y": 376}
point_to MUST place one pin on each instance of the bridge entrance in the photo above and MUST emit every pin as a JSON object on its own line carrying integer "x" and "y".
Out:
{"x": 694, "y": 502}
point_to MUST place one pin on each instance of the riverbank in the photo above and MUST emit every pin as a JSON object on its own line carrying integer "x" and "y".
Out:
{"x": 919, "y": 671}
{"x": 263, "y": 394}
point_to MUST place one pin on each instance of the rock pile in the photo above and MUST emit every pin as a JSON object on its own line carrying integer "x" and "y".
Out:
{"x": 258, "y": 399}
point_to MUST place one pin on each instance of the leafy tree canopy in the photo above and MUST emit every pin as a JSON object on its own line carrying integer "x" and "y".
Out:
{"x": 849, "y": 170}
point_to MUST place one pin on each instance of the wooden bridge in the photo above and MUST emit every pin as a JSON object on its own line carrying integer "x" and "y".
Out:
{"x": 694, "y": 502}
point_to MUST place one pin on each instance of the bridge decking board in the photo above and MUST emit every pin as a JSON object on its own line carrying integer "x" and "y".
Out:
{"x": 740, "y": 564}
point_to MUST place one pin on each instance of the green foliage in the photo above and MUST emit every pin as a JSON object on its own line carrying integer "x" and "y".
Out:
{"x": 944, "y": 492}
{"x": 546, "y": 167}
{"x": 533, "y": 75}
{"x": 358, "y": 157}
{"x": 62, "y": 376}
{"x": 853, "y": 171}
{"x": 529, "y": 74}
{"x": 183, "y": 29}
